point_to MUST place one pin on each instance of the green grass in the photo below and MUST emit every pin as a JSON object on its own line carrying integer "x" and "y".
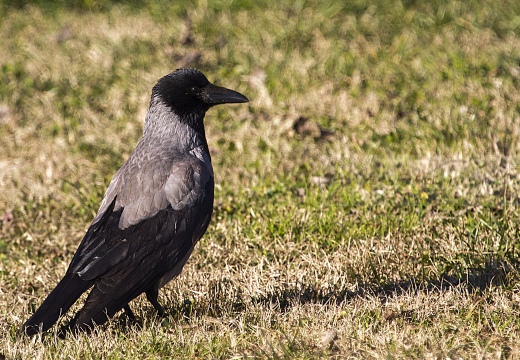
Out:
{"x": 367, "y": 193}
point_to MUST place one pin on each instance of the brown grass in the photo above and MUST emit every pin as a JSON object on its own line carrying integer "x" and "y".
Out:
{"x": 366, "y": 204}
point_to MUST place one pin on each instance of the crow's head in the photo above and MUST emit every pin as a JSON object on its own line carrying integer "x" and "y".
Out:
{"x": 188, "y": 93}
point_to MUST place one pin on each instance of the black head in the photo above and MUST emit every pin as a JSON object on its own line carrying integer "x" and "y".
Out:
{"x": 189, "y": 94}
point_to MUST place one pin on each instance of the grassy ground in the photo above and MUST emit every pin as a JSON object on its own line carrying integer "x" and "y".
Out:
{"x": 367, "y": 199}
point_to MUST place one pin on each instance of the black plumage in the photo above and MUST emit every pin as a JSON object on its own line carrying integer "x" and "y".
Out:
{"x": 156, "y": 208}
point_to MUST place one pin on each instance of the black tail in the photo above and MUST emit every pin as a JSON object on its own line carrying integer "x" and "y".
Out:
{"x": 68, "y": 290}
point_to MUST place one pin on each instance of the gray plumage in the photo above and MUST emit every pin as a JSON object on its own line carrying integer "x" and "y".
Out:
{"x": 156, "y": 208}
{"x": 168, "y": 166}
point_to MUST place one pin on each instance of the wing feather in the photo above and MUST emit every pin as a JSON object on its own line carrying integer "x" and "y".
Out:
{"x": 129, "y": 221}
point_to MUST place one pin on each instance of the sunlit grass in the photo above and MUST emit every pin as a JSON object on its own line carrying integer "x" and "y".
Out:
{"x": 366, "y": 200}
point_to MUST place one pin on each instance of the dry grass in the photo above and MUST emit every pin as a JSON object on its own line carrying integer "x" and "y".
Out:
{"x": 366, "y": 204}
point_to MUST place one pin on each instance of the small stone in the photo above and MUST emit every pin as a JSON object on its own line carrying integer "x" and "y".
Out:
{"x": 328, "y": 338}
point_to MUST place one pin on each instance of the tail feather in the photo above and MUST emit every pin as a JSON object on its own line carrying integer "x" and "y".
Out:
{"x": 68, "y": 290}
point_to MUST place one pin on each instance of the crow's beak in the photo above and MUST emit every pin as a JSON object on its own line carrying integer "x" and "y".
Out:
{"x": 214, "y": 95}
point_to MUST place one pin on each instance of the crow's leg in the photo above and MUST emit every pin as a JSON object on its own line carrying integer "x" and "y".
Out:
{"x": 129, "y": 312}
{"x": 152, "y": 296}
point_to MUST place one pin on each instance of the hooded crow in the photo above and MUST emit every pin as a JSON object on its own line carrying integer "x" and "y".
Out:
{"x": 156, "y": 208}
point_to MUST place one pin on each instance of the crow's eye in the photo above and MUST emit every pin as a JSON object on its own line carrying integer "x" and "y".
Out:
{"x": 194, "y": 90}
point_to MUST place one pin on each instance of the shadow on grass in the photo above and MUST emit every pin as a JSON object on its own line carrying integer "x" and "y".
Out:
{"x": 497, "y": 272}
{"x": 223, "y": 298}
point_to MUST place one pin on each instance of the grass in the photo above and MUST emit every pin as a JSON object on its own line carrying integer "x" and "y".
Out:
{"x": 366, "y": 201}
